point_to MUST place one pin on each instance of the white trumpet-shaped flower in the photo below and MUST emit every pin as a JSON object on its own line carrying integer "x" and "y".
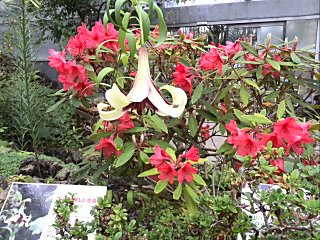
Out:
{"x": 143, "y": 93}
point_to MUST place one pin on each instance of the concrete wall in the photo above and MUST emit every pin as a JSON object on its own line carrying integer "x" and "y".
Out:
{"x": 242, "y": 12}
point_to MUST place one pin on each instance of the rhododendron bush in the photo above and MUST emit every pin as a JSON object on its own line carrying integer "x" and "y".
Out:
{"x": 165, "y": 99}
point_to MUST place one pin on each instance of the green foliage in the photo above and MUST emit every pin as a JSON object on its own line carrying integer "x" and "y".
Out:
{"x": 10, "y": 162}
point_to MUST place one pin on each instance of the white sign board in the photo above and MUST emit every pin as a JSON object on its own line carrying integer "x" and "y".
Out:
{"x": 28, "y": 210}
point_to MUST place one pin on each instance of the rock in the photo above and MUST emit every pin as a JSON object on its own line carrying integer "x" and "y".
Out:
{"x": 63, "y": 174}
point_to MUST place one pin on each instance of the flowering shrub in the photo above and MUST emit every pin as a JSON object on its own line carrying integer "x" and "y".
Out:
{"x": 162, "y": 121}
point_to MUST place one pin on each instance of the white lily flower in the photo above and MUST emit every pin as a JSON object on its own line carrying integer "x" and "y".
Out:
{"x": 144, "y": 92}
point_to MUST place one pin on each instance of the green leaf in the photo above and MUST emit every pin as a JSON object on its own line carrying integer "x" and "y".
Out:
{"x": 224, "y": 148}
{"x": 244, "y": 95}
{"x": 118, "y": 142}
{"x": 103, "y": 73}
{"x": 294, "y": 175}
{"x": 257, "y": 118}
{"x": 144, "y": 157}
{"x": 198, "y": 179}
{"x": 117, "y": 9}
{"x": 184, "y": 62}
{"x": 131, "y": 43}
{"x": 197, "y": 93}
{"x": 149, "y": 172}
{"x": 57, "y": 104}
{"x": 161, "y": 185}
{"x": 193, "y": 125}
{"x": 271, "y": 96}
{"x": 273, "y": 64}
{"x": 281, "y": 109}
{"x": 144, "y": 23}
{"x": 294, "y": 57}
{"x": 252, "y": 83}
{"x": 95, "y": 137}
{"x": 177, "y": 192}
{"x": 130, "y": 199}
{"x": 249, "y": 48}
{"x": 125, "y": 156}
{"x": 118, "y": 236}
{"x": 162, "y": 26}
{"x": 192, "y": 193}
{"x": 136, "y": 130}
{"x": 240, "y": 115}
{"x": 101, "y": 169}
{"x": 159, "y": 122}
{"x": 190, "y": 203}
{"x": 161, "y": 143}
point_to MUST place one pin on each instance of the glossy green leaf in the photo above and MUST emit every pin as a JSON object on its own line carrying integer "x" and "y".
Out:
{"x": 244, "y": 95}
{"x": 161, "y": 185}
{"x": 57, "y": 104}
{"x": 162, "y": 26}
{"x": 249, "y": 48}
{"x": 252, "y": 83}
{"x": 198, "y": 179}
{"x": 197, "y": 93}
{"x": 149, "y": 172}
{"x": 184, "y": 62}
{"x": 103, "y": 73}
{"x": 159, "y": 122}
{"x": 144, "y": 157}
{"x": 273, "y": 64}
{"x": 294, "y": 57}
{"x": 193, "y": 125}
{"x": 257, "y": 118}
{"x": 281, "y": 109}
{"x": 125, "y": 156}
{"x": 177, "y": 192}
{"x": 192, "y": 193}
{"x": 117, "y": 10}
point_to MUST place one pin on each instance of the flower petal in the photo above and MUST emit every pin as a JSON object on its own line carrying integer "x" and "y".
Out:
{"x": 179, "y": 100}
{"x": 109, "y": 115}
{"x": 116, "y": 98}
{"x": 141, "y": 85}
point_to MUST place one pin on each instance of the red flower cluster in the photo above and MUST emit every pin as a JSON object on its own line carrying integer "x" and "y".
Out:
{"x": 231, "y": 48}
{"x": 108, "y": 147}
{"x": 267, "y": 68}
{"x": 183, "y": 77}
{"x": 286, "y": 133}
{"x": 169, "y": 168}
{"x": 211, "y": 61}
{"x": 122, "y": 124}
{"x": 72, "y": 73}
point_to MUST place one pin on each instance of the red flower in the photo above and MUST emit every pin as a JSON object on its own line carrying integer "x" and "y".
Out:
{"x": 231, "y": 48}
{"x": 290, "y": 130}
{"x": 205, "y": 131}
{"x": 84, "y": 88}
{"x": 250, "y": 57}
{"x": 57, "y": 59}
{"x": 211, "y": 61}
{"x": 125, "y": 122}
{"x": 108, "y": 147}
{"x": 159, "y": 157}
{"x": 267, "y": 68}
{"x": 273, "y": 137}
{"x": 183, "y": 78}
{"x": 246, "y": 145}
{"x": 71, "y": 72}
{"x": 185, "y": 172}
{"x": 167, "y": 171}
{"x": 296, "y": 144}
{"x": 96, "y": 36}
{"x": 278, "y": 163}
{"x": 192, "y": 154}
{"x": 76, "y": 45}
{"x": 234, "y": 130}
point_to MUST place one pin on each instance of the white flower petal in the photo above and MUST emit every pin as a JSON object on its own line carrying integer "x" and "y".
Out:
{"x": 179, "y": 101}
{"x": 109, "y": 115}
{"x": 116, "y": 98}
{"x": 140, "y": 89}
